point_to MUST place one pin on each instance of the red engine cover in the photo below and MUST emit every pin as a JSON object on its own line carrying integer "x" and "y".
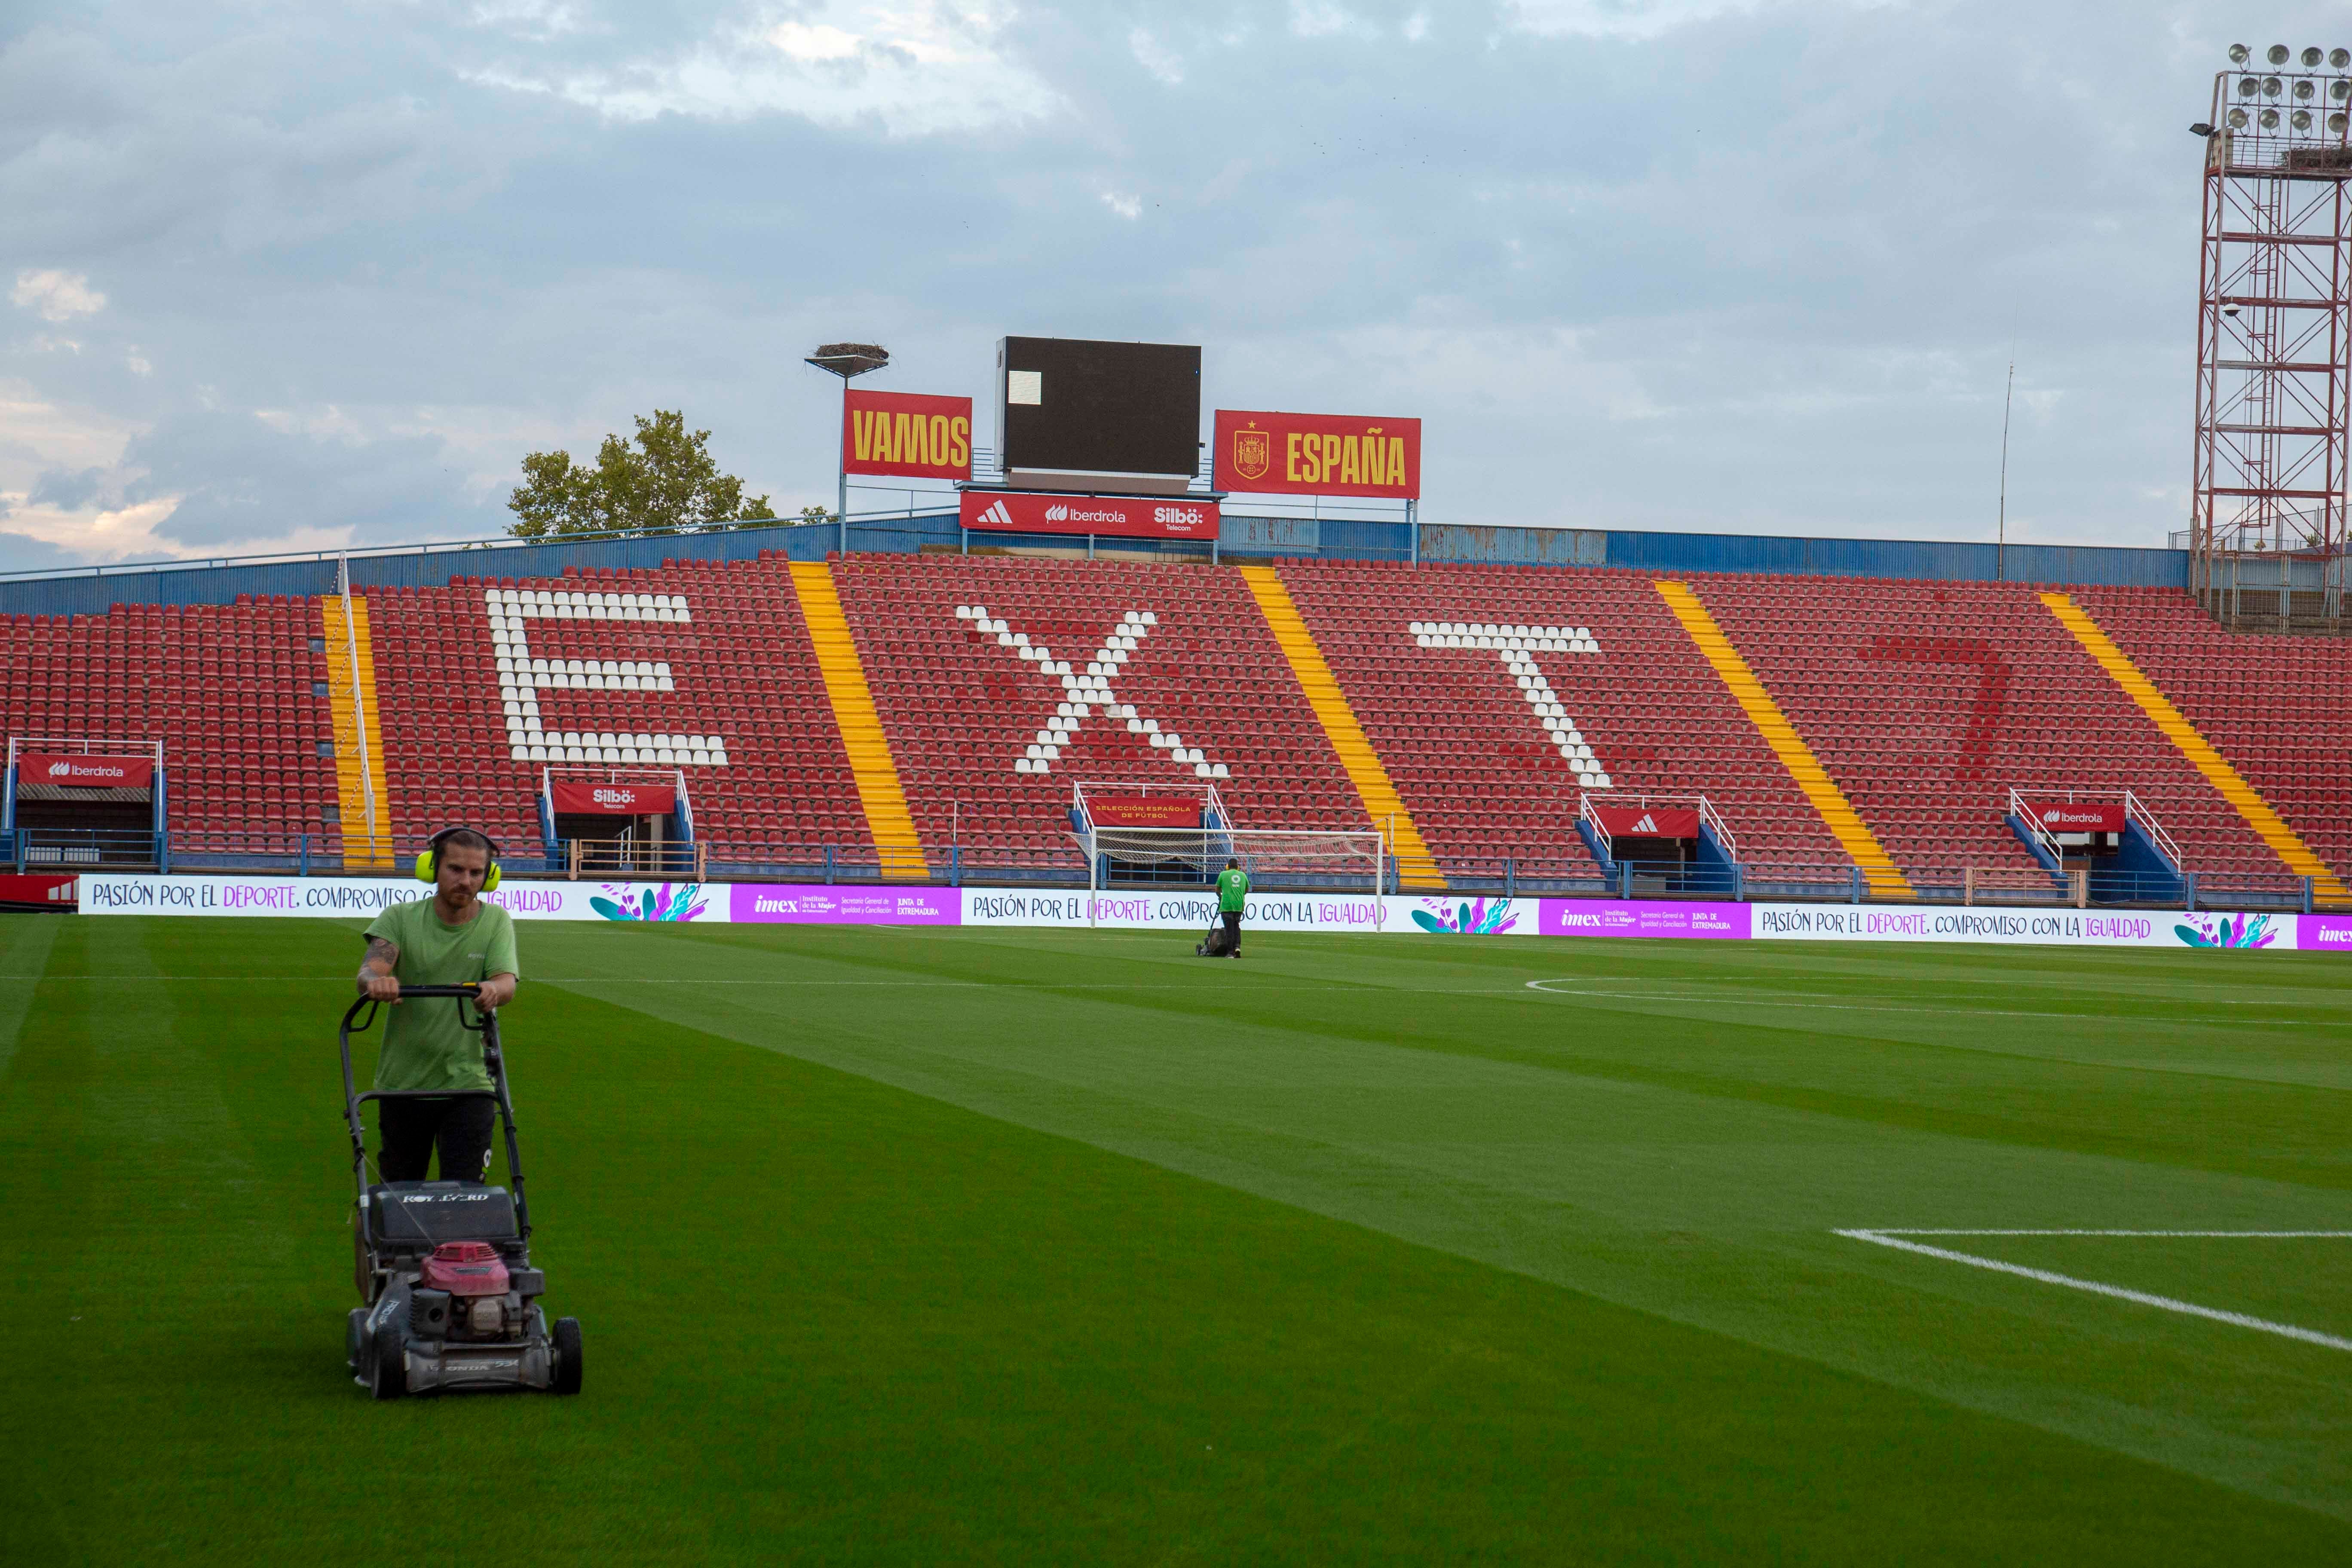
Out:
{"x": 466, "y": 1268}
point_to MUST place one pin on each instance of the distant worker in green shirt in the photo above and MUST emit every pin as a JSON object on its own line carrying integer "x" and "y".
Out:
{"x": 1232, "y": 896}
{"x": 450, "y": 939}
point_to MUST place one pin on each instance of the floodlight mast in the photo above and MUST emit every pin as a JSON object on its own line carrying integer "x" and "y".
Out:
{"x": 846, "y": 361}
{"x": 2268, "y": 493}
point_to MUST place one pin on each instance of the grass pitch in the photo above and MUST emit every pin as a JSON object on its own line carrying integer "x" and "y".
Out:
{"x": 1025, "y": 1246}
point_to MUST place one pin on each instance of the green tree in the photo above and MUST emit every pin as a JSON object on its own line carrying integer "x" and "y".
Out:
{"x": 664, "y": 482}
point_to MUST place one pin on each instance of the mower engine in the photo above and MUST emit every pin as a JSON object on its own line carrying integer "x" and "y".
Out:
{"x": 463, "y": 1293}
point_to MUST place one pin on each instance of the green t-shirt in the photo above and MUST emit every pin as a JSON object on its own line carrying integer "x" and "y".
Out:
{"x": 1233, "y": 888}
{"x": 426, "y": 1046}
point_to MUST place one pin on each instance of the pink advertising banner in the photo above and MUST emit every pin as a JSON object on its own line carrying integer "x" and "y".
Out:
{"x": 1594, "y": 917}
{"x": 784, "y": 903}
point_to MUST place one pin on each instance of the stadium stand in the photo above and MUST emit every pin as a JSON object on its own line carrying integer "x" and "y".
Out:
{"x": 739, "y": 670}
{"x": 965, "y": 712}
{"x": 1481, "y": 776}
{"x": 235, "y": 693}
{"x": 1483, "y": 698}
{"x": 1928, "y": 701}
{"x": 2279, "y": 708}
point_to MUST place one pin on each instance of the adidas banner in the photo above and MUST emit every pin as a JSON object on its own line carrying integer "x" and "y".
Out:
{"x": 1647, "y": 821}
{"x": 1125, "y": 516}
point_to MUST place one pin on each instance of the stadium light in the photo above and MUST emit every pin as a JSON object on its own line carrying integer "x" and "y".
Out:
{"x": 847, "y": 361}
{"x": 2239, "y": 54}
{"x": 2278, "y": 54}
{"x": 2339, "y": 58}
{"x": 2311, "y": 57}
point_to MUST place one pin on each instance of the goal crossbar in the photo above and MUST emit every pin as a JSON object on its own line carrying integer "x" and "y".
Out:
{"x": 1345, "y": 859}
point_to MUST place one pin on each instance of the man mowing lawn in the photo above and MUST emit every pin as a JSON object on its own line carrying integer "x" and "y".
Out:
{"x": 450, "y": 939}
{"x": 1232, "y": 896}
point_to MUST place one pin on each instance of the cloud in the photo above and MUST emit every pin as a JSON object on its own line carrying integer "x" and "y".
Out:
{"x": 1724, "y": 264}
{"x": 55, "y": 295}
{"x": 232, "y": 478}
{"x": 65, "y": 491}
{"x": 915, "y": 70}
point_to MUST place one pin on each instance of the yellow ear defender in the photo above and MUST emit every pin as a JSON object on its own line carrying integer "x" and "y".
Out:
{"x": 428, "y": 864}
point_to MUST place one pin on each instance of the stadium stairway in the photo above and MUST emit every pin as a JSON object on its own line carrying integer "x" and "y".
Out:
{"x": 1845, "y": 824}
{"x": 363, "y": 795}
{"x": 1374, "y": 789}
{"x": 900, "y": 851}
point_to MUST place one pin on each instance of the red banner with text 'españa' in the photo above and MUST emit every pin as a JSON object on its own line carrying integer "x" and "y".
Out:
{"x": 1317, "y": 453}
{"x": 909, "y": 434}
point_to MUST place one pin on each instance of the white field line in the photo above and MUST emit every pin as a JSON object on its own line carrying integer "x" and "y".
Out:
{"x": 2163, "y": 1303}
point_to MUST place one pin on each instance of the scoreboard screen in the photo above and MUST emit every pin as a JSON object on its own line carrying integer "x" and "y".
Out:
{"x": 1076, "y": 415}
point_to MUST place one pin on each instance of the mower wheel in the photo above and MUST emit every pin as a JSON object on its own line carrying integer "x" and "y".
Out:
{"x": 351, "y": 1338}
{"x": 391, "y": 1380}
{"x": 567, "y": 1355}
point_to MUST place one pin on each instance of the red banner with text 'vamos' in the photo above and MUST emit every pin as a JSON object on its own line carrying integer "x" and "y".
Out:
{"x": 909, "y": 434}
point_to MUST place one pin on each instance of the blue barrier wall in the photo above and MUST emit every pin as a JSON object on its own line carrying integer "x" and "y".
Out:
{"x": 1328, "y": 538}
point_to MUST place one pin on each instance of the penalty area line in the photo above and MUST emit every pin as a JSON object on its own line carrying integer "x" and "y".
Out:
{"x": 2140, "y": 1297}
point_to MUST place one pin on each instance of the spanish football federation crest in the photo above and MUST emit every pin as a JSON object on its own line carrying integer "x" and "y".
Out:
{"x": 1253, "y": 453}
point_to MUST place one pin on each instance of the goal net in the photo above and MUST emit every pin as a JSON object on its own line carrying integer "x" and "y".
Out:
{"x": 1273, "y": 858}
{"x": 1184, "y": 833}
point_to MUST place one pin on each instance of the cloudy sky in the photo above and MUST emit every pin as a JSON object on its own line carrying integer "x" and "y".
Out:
{"x": 288, "y": 276}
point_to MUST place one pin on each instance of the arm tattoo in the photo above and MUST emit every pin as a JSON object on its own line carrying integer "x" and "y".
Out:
{"x": 380, "y": 950}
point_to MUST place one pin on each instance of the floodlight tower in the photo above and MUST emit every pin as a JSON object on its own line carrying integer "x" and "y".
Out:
{"x": 2274, "y": 335}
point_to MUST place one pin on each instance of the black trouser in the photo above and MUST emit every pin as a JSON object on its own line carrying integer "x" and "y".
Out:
{"x": 1233, "y": 919}
{"x": 410, "y": 1130}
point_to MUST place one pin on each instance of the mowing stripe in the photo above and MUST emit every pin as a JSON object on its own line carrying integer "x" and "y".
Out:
{"x": 359, "y": 736}
{"x": 2265, "y": 822}
{"x": 1837, "y": 812}
{"x": 1417, "y": 868}
{"x": 870, "y": 765}
{"x": 2216, "y": 1235}
{"x": 2141, "y": 1297}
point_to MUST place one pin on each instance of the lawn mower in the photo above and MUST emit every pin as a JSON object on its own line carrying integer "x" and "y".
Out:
{"x": 445, "y": 1266}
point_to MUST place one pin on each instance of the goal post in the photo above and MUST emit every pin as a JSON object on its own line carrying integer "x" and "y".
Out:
{"x": 1301, "y": 860}
{"x": 1182, "y": 832}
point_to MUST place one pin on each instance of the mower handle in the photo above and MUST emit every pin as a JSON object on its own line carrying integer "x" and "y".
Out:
{"x": 362, "y": 1012}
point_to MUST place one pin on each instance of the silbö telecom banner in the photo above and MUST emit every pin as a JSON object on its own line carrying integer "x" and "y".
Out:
{"x": 1193, "y": 911}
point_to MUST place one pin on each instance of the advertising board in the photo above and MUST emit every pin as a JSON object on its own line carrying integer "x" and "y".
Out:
{"x": 1133, "y": 517}
{"x": 1144, "y": 810}
{"x": 77, "y": 770}
{"x": 1648, "y": 822}
{"x": 1191, "y": 909}
{"x": 587, "y": 798}
{"x": 908, "y": 433}
{"x": 1266, "y": 453}
{"x": 343, "y": 897}
{"x": 2078, "y": 816}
